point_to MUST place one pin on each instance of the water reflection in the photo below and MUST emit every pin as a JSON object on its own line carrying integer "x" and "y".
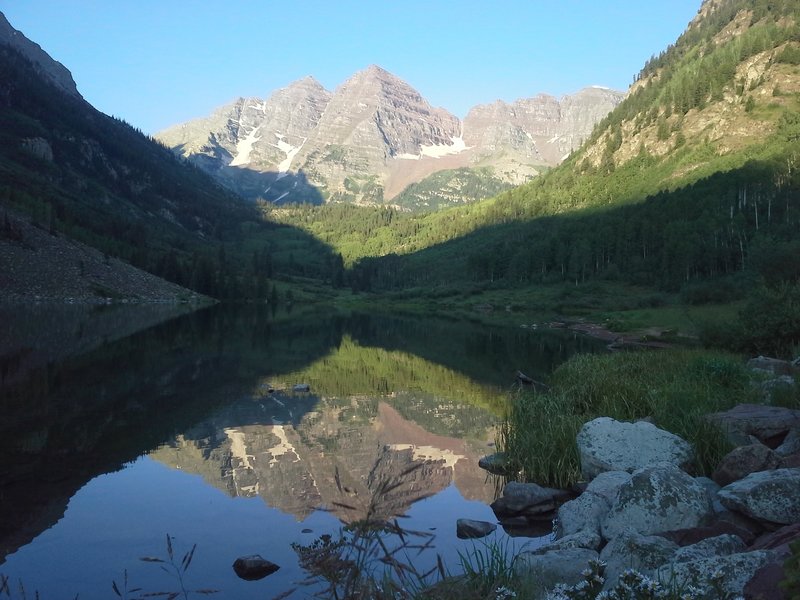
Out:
{"x": 86, "y": 395}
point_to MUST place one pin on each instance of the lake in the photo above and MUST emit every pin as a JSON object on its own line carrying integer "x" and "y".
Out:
{"x": 123, "y": 425}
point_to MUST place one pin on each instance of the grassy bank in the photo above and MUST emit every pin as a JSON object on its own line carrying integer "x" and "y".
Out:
{"x": 675, "y": 388}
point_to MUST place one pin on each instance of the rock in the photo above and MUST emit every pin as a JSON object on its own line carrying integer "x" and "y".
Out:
{"x": 253, "y": 567}
{"x": 766, "y": 423}
{"x": 39, "y": 147}
{"x": 645, "y": 553}
{"x": 774, "y": 366}
{"x": 496, "y": 463}
{"x": 790, "y": 462}
{"x": 527, "y": 499}
{"x": 693, "y": 535}
{"x": 712, "y": 488}
{"x": 767, "y": 496}
{"x": 735, "y": 570}
{"x": 301, "y": 387}
{"x": 769, "y": 387}
{"x": 744, "y": 460}
{"x": 765, "y": 582}
{"x": 778, "y": 540}
{"x": 605, "y": 444}
{"x": 585, "y": 512}
{"x": 526, "y": 527}
{"x": 542, "y": 572}
{"x": 657, "y": 499}
{"x": 582, "y": 539}
{"x": 721, "y": 545}
{"x": 790, "y": 444}
{"x": 607, "y": 484}
{"x": 468, "y": 529}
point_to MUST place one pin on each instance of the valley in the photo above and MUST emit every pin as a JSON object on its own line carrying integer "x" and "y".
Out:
{"x": 274, "y": 311}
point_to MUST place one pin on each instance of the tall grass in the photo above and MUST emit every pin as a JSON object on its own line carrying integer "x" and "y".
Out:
{"x": 675, "y": 388}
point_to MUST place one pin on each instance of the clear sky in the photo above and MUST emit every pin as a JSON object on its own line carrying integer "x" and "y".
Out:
{"x": 156, "y": 63}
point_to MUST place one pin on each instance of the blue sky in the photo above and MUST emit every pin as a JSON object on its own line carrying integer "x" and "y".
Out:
{"x": 156, "y": 63}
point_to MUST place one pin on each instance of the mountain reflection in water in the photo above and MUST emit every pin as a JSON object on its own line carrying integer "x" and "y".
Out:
{"x": 388, "y": 393}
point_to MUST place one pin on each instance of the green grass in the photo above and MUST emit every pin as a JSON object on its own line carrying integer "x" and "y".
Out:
{"x": 675, "y": 388}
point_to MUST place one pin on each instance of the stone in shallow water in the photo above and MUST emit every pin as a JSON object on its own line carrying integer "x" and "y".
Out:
{"x": 496, "y": 464}
{"x": 527, "y": 499}
{"x": 253, "y": 567}
{"x": 469, "y": 529}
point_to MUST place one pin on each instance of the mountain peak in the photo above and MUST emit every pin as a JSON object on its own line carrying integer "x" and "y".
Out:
{"x": 52, "y": 70}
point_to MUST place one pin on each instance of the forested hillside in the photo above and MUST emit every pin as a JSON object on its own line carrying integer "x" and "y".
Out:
{"x": 76, "y": 172}
{"x": 694, "y": 176}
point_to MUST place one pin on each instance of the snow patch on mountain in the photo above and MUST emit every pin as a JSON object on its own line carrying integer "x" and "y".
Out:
{"x": 244, "y": 148}
{"x": 289, "y": 150}
{"x": 439, "y": 150}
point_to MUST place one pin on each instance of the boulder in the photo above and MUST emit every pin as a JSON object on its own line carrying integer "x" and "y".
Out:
{"x": 790, "y": 444}
{"x": 765, "y": 582}
{"x": 607, "y": 484}
{"x": 253, "y": 567}
{"x": 606, "y": 444}
{"x": 774, "y": 366}
{"x": 656, "y": 499}
{"x": 771, "y": 387}
{"x": 496, "y": 464}
{"x": 721, "y": 545}
{"x": 692, "y": 535}
{"x": 469, "y": 529}
{"x": 644, "y": 553}
{"x": 735, "y": 571}
{"x": 744, "y": 460}
{"x": 585, "y": 512}
{"x": 527, "y": 499}
{"x": 712, "y": 488}
{"x": 542, "y": 572}
{"x": 301, "y": 387}
{"x": 766, "y": 496}
{"x": 769, "y": 424}
{"x": 581, "y": 539}
{"x": 778, "y": 540}
{"x": 790, "y": 462}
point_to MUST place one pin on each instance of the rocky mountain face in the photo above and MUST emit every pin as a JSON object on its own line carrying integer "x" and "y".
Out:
{"x": 49, "y": 69}
{"x": 375, "y": 135}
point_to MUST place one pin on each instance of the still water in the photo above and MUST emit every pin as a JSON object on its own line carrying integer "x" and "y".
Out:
{"x": 124, "y": 425}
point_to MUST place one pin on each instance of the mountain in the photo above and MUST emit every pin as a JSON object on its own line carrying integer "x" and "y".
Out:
{"x": 93, "y": 180}
{"x": 49, "y": 69}
{"x": 372, "y": 137}
{"x": 691, "y": 180}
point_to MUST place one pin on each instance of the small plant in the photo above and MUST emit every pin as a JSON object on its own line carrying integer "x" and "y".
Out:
{"x": 175, "y": 569}
{"x": 488, "y": 571}
{"x": 6, "y": 590}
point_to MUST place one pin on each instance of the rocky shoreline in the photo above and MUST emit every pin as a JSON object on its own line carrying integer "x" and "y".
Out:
{"x": 641, "y": 507}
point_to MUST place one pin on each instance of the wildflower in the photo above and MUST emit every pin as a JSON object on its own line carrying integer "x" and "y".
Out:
{"x": 502, "y": 592}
